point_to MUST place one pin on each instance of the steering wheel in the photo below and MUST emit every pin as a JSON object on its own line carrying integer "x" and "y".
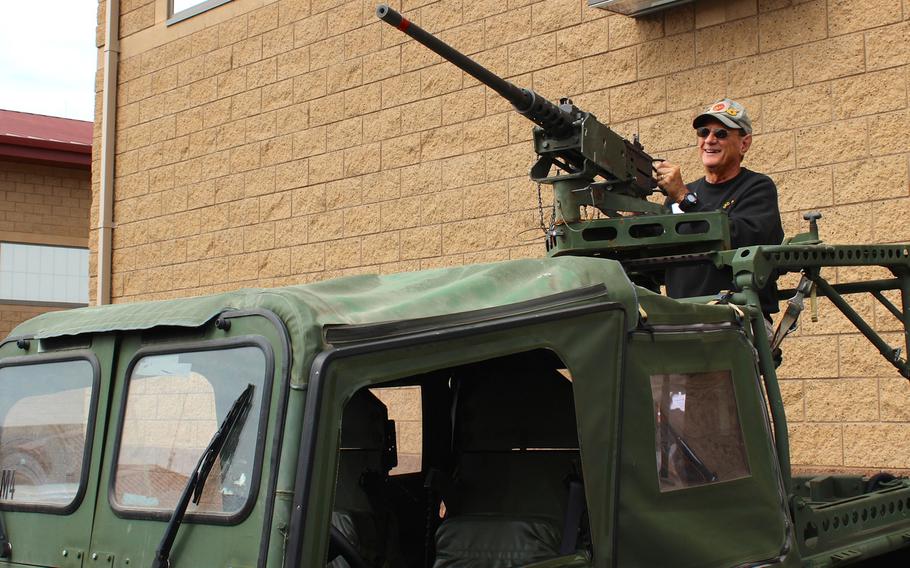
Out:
{"x": 339, "y": 545}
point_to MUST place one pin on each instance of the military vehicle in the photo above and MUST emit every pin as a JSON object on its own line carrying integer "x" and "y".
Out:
{"x": 565, "y": 416}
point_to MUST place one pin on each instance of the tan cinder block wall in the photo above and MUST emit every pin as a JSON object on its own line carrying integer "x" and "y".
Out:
{"x": 273, "y": 142}
{"x": 12, "y": 315}
{"x": 41, "y": 205}
{"x": 44, "y": 204}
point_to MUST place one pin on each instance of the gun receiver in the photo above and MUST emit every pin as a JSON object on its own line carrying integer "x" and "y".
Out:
{"x": 580, "y": 146}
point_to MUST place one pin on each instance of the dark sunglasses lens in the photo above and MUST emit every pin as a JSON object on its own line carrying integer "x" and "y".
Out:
{"x": 704, "y": 132}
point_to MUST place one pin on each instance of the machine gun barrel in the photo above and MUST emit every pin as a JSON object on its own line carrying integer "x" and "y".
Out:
{"x": 555, "y": 121}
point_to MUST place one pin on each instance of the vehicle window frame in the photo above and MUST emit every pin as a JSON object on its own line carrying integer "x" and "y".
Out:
{"x": 92, "y": 359}
{"x": 259, "y": 455}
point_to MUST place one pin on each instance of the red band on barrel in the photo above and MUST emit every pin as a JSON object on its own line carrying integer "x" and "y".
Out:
{"x": 404, "y": 24}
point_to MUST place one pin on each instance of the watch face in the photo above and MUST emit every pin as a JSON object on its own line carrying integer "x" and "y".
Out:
{"x": 688, "y": 202}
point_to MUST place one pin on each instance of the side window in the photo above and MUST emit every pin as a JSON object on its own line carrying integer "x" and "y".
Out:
{"x": 405, "y": 409}
{"x": 44, "y": 420}
{"x": 699, "y": 438}
{"x": 174, "y": 405}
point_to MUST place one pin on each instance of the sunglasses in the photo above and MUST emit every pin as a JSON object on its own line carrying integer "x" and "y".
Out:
{"x": 719, "y": 133}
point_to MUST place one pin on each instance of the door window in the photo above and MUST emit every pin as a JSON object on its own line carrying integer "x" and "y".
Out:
{"x": 44, "y": 417}
{"x": 175, "y": 404}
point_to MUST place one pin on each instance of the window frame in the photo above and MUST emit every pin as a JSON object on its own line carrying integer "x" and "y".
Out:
{"x": 258, "y": 457}
{"x": 80, "y": 355}
{"x": 195, "y": 10}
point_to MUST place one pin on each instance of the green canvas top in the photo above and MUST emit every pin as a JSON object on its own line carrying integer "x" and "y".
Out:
{"x": 368, "y": 299}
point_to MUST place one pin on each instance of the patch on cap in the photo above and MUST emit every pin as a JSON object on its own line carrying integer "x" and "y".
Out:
{"x": 728, "y": 112}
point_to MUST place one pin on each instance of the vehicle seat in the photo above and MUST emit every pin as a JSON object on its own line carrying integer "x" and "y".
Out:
{"x": 515, "y": 450}
{"x": 361, "y": 511}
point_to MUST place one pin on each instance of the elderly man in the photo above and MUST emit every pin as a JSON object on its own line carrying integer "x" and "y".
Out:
{"x": 748, "y": 198}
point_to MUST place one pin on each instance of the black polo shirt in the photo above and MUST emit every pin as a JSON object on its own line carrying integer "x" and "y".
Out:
{"x": 750, "y": 201}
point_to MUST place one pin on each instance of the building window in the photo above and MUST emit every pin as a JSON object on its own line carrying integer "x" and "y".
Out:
{"x": 41, "y": 273}
{"x": 180, "y": 10}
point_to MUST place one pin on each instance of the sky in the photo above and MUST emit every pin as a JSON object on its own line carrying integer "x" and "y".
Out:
{"x": 48, "y": 57}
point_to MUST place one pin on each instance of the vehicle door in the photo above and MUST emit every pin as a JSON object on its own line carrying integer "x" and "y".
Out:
{"x": 700, "y": 484}
{"x": 588, "y": 339}
{"x": 53, "y": 409}
{"x": 172, "y": 391}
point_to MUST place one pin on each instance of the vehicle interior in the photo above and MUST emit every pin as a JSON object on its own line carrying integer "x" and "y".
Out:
{"x": 478, "y": 466}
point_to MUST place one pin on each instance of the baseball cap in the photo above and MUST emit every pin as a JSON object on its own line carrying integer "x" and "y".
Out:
{"x": 728, "y": 112}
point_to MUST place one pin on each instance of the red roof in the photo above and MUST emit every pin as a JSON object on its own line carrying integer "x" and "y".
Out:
{"x": 27, "y": 137}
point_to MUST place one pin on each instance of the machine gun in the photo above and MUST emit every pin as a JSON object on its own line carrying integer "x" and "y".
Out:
{"x": 595, "y": 167}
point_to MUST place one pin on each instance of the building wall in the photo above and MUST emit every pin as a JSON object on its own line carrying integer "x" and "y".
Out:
{"x": 266, "y": 143}
{"x": 41, "y": 205}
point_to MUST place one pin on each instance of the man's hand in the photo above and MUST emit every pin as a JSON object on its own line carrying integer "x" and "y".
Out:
{"x": 670, "y": 180}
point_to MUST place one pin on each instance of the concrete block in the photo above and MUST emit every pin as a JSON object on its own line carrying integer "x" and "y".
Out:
{"x": 870, "y": 93}
{"x": 589, "y": 38}
{"x": 877, "y": 446}
{"x": 759, "y": 74}
{"x": 795, "y": 25}
{"x": 816, "y": 444}
{"x": 666, "y": 55}
{"x": 723, "y": 42}
{"x": 830, "y": 143}
{"x": 876, "y": 178}
{"x": 507, "y": 27}
{"x": 845, "y": 16}
{"x": 555, "y": 15}
{"x": 643, "y": 98}
{"x": 828, "y": 59}
{"x": 809, "y": 357}
{"x": 841, "y": 400}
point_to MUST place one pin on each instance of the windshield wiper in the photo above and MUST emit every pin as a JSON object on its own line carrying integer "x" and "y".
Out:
{"x": 196, "y": 482}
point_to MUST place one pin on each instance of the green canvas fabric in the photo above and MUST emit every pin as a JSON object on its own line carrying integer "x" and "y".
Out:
{"x": 362, "y": 299}
{"x": 662, "y": 310}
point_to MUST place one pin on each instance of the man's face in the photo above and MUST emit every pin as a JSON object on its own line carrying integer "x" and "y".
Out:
{"x": 719, "y": 154}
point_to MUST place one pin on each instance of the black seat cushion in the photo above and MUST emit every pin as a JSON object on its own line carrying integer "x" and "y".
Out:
{"x": 472, "y": 541}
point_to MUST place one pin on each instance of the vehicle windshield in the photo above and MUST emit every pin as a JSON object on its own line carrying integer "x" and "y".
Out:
{"x": 44, "y": 416}
{"x": 174, "y": 405}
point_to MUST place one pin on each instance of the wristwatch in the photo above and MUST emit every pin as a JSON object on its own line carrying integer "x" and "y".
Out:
{"x": 688, "y": 202}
